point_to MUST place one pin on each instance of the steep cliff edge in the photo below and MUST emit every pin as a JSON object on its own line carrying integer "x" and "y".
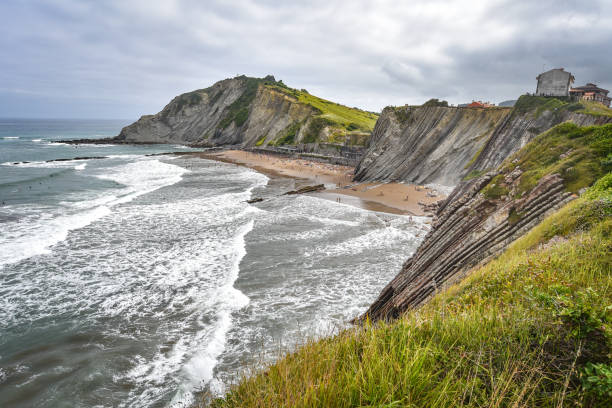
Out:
{"x": 446, "y": 144}
{"x": 422, "y": 144}
{"x": 251, "y": 112}
{"x": 484, "y": 215}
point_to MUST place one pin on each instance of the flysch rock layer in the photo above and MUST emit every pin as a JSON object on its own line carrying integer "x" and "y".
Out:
{"x": 196, "y": 117}
{"x": 421, "y": 144}
{"x": 470, "y": 229}
{"x": 442, "y": 145}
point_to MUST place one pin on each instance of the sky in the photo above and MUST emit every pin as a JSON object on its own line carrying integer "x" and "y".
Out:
{"x": 126, "y": 58}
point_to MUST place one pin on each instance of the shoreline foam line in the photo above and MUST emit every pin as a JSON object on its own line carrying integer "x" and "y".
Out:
{"x": 199, "y": 369}
{"x": 36, "y": 239}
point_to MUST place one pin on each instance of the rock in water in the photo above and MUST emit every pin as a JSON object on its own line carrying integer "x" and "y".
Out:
{"x": 307, "y": 189}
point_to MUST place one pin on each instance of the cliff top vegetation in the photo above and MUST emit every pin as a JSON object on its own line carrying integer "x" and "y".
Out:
{"x": 540, "y": 104}
{"x": 352, "y": 119}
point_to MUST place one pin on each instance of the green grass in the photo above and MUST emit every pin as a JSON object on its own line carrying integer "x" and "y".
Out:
{"x": 495, "y": 189}
{"x": 316, "y": 125}
{"x": 580, "y": 155}
{"x": 288, "y": 134}
{"x": 474, "y": 174}
{"x": 475, "y": 157}
{"x": 595, "y": 109}
{"x": 529, "y": 329}
{"x": 343, "y": 116}
{"x": 557, "y": 105}
{"x": 260, "y": 141}
{"x": 530, "y": 103}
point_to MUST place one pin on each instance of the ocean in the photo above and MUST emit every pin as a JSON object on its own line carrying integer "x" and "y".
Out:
{"x": 148, "y": 281}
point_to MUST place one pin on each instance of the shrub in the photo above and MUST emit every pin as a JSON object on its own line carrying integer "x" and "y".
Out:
{"x": 315, "y": 127}
{"x": 288, "y": 136}
{"x": 597, "y": 378}
{"x": 238, "y": 111}
{"x": 435, "y": 102}
{"x": 495, "y": 189}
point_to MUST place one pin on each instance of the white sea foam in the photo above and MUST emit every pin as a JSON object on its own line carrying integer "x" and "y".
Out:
{"x": 199, "y": 369}
{"x": 159, "y": 278}
{"x": 46, "y": 228}
{"x": 35, "y": 238}
{"x": 37, "y": 140}
{"x": 10, "y": 137}
{"x": 47, "y": 164}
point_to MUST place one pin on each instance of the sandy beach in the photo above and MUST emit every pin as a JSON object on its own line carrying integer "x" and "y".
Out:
{"x": 397, "y": 198}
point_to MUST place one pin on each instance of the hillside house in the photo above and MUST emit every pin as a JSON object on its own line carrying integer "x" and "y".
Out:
{"x": 555, "y": 82}
{"x": 591, "y": 92}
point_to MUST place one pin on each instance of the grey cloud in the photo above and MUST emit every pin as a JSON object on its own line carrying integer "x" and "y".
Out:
{"x": 124, "y": 59}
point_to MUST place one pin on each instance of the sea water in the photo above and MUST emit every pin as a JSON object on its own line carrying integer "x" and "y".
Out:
{"x": 144, "y": 280}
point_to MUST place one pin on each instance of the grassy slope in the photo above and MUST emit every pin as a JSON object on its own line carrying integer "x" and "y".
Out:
{"x": 342, "y": 119}
{"x": 580, "y": 155}
{"x": 531, "y": 328}
{"x": 594, "y": 108}
{"x": 339, "y": 116}
{"x": 539, "y": 104}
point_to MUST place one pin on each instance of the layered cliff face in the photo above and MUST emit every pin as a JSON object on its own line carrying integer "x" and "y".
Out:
{"x": 444, "y": 145}
{"x": 485, "y": 214}
{"x": 250, "y": 112}
{"x": 427, "y": 144}
{"x": 191, "y": 117}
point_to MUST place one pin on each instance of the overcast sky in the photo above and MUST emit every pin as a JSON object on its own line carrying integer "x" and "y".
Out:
{"x": 125, "y": 58}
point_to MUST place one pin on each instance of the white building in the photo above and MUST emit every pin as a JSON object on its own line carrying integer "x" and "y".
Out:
{"x": 555, "y": 82}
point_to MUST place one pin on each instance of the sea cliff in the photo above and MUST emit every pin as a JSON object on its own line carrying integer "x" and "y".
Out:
{"x": 252, "y": 112}
{"x": 443, "y": 145}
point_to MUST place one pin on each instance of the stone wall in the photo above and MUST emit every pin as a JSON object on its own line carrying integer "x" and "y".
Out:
{"x": 555, "y": 82}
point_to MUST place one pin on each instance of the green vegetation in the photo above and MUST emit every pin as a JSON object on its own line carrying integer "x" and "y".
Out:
{"x": 580, "y": 155}
{"x": 288, "y": 134}
{"x": 558, "y": 105}
{"x": 514, "y": 216}
{"x": 260, "y": 141}
{"x": 530, "y": 329}
{"x": 341, "y": 118}
{"x": 496, "y": 188}
{"x": 402, "y": 113}
{"x": 314, "y": 128}
{"x": 595, "y": 109}
{"x": 435, "y": 102}
{"x": 339, "y": 115}
{"x": 474, "y": 174}
{"x": 238, "y": 111}
{"x": 181, "y": 101}
{"x": 529, "y": 103}
{"x": 475, "y": 157}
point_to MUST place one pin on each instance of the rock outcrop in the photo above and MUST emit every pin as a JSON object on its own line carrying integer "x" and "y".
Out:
{"x": 485, "y": 214}
{"x": 420, "y": 144}
{"x": 469, "y": 231}
{"x": 250, "y": 112}
{"x": 443, "y": 145}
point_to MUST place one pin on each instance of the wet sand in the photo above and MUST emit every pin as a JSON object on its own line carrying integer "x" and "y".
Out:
{"x": 397, "y": 198}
